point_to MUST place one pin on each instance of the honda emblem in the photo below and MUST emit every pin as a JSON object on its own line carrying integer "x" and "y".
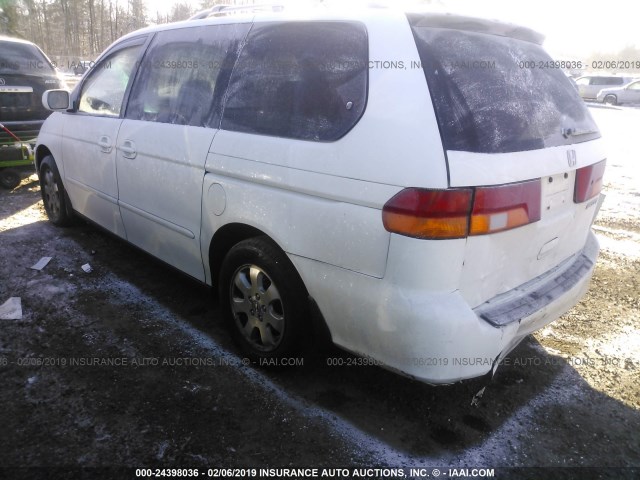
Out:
{"x": 572, "y": 158}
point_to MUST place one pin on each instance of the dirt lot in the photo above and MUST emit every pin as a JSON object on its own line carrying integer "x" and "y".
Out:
{"x": 129, "y": 366}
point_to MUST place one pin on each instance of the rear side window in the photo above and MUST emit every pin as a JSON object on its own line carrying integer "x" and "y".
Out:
{"x": 607, "y": 81}
{"x": 495, "y": 94}
{"x": 23, "y": 58}
{"x": 306, "y": 81}
{"x": 184, "y": 75}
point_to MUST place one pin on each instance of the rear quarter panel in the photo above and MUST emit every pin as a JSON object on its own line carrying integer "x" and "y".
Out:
{"x": 323, "y": 201}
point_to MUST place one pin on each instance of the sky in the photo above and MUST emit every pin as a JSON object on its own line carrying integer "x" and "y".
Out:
{"x": 573, "y": 28}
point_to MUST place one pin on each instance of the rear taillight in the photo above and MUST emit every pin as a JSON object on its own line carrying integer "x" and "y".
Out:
{"x": 457, "y": 213}
{"x": 505, "y": 207}
{"x": 588, "y": 182}
{"x": 422, "y": 213}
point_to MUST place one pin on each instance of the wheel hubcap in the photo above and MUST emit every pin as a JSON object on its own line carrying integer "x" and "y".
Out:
{"x": 51, "y": 194}
{"x": 257, "y": 308}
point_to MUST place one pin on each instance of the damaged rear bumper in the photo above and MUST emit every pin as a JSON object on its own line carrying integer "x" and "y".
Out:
{"x": 436, "y": 337}
{"x": 537, "y": 303}
{"x": 524, "y": 301}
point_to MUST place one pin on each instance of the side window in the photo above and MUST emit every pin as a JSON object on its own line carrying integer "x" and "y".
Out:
{"x": 608, "y": 81}
{"x": 583, "y": 81}
{"x": 305, "y": 80}
{"x": 184, "y": 75}
{"x": 634, "y": 86}
{"x": 103, "y": 92}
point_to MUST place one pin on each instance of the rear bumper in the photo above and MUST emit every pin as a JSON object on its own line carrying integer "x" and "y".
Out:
{"x": 26, "y": 131}
{"x": 436, "y": 337}
{"x": 542, "y": 300}
{"x": 536, "y": 295}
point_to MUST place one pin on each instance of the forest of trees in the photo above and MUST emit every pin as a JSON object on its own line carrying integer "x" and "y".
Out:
{"x": 73, "y": 30}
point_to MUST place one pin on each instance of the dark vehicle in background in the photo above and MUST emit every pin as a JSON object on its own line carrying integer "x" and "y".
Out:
{"x": 25, "y": 73}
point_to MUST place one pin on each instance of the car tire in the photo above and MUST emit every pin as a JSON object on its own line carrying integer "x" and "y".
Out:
{"x": 610, "y": 100}
{"x": 54, "y": 196}
{"x": 9, "y": 178}
{"x": 263, "y": 300}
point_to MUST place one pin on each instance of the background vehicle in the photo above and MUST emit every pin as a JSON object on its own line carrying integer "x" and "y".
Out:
{"x": 25, "y": 73}
{"x": 376, "y": 171}
{"x": 590, "y": 85}
{"x": 14, "y": 154}
{"x": 629, "y": 93}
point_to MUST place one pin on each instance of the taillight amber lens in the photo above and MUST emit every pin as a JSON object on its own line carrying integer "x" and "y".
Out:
{"x": 429, "y": 214}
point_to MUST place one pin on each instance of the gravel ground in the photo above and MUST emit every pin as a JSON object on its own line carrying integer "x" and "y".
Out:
{"x": 129, "y": 366}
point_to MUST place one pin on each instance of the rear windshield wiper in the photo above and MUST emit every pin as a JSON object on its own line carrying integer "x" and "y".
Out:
{"x": 572, "y": 132}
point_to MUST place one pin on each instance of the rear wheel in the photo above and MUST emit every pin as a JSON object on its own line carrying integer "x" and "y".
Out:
{"x": 9, "y": 178}
{"x": 54, "y": 196}
{"x": 611, "y": 100}
{"x": 263, "y": 299}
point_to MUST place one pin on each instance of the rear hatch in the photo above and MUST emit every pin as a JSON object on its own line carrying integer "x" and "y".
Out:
{"x": 516, "y": 131}
{"x": 25, "y": 73}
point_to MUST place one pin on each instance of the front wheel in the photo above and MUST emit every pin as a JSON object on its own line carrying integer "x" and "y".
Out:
{"x": 610, "y": 100}
{"x": 263, "y": 299}
{"x": 54, "y": 197}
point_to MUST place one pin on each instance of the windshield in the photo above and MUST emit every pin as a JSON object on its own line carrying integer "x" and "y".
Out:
{"x": 495, "y": 94}
{"x": 23, "y": 58}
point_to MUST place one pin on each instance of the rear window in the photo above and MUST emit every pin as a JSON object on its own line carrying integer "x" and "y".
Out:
{"x": 304, "y": 80}
{"x": 495, "y": 94}
{"x": 23, "y": 58}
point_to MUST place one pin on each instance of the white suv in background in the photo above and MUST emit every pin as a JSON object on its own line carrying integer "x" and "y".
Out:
{"x": 590, "y": 85}
{"x": 626, "y": 94}
{"x": 394, "y": 179}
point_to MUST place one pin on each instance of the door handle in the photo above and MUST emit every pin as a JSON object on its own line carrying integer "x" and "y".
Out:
{"x": 104, "y": 143}
{"x": 128, "y": 149}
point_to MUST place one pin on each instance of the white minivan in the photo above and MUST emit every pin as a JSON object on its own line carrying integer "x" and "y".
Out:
{"x": 408, "y": 183}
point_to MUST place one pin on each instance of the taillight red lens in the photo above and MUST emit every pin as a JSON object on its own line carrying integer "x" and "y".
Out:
{"x": 423, "y": 213}
{"x": 458, "y": 213}
{"x": 588, "y": 182}
{"x": 504, "y": 207}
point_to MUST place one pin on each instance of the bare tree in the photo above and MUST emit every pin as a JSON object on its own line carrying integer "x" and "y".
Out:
{"x": 8, "y": 18}
{"x": 73, "y": 30}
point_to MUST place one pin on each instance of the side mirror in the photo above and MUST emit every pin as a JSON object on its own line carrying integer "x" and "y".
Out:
{"x": 56, "y": 100}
